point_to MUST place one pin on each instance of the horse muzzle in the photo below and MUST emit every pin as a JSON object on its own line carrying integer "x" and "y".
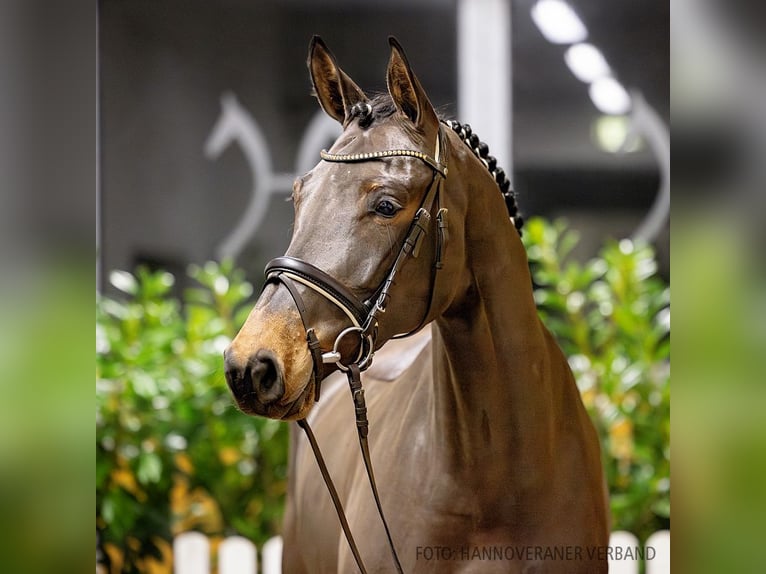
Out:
{"x": 258, "y": 385}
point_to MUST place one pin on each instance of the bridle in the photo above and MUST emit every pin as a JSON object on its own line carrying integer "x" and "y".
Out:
{"x": 363, "y": 315}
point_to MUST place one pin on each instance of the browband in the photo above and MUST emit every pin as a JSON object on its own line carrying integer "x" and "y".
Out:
{"x": 433, "y": 163}
{"x": 357, "y": 157}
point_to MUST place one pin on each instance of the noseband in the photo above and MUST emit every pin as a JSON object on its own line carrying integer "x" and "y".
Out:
{"x": 363, "y": 315}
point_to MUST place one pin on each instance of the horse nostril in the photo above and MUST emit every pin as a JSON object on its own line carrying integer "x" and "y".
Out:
{"x": 265, "y": 372}
{"x": 238, "y": 379}
{"x": 260, "y": 378}
{"x": 266, "y": 378}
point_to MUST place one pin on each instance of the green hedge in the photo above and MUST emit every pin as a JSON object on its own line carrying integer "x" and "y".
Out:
{"x": 174, "y": 454}
{"x": 611, "y": 317}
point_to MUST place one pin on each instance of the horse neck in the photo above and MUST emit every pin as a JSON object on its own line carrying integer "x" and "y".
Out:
{"x": 492, "y": 392}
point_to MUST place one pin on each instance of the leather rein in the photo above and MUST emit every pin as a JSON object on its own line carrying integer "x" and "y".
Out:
{"x": 363, "y": 315}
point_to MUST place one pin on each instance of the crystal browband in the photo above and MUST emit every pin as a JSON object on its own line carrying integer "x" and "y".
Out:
{"x": 355, "y": 157}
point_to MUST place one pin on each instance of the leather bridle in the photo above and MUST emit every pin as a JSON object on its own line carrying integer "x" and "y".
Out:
{"x": 363, "y": 315}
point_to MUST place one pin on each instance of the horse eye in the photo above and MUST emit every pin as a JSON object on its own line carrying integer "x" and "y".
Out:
{"x": 386, "y": 208}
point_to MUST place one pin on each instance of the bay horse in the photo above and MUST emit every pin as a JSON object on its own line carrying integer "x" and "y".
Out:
{"x": 485, "y": 456}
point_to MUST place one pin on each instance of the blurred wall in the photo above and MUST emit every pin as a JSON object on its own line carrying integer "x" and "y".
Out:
{"x": 164, "y": 65}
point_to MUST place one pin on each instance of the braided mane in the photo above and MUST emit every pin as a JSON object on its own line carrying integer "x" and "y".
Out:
{"x": 381, "y": 106}
{"x": 481, "y": 151}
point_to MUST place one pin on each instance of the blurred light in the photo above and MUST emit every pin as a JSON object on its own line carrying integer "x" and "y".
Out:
{"x": 609, "y": 96}
{"x": 558, "y": 22}
{"x": 586, "y": 62}
{"x": 612, "y": 134}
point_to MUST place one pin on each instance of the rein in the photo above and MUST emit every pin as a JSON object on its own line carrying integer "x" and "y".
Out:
{"x": 363, "y": 315}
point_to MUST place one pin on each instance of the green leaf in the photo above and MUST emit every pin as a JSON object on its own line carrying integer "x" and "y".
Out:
{"x": 144, "y": 385}
{"x": 661, "y": 507}
{"x": 124, "y": 281}
{"x": 149, "y": 468}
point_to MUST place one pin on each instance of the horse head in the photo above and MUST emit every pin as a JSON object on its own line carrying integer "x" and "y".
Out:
{"x": 369, "y": 234}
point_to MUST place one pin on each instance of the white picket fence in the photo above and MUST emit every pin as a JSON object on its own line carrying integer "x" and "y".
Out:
{"x": 237, "y": 555}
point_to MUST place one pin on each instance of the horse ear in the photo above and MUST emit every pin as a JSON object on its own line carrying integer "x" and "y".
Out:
{"x": 409, "y": 96}
{"x": 336, "y": 92}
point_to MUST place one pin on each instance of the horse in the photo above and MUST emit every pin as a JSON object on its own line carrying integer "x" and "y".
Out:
{"x": 485, "y": 456}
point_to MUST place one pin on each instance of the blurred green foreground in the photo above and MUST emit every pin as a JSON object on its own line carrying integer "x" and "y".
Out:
{"x": 174, "y": 454}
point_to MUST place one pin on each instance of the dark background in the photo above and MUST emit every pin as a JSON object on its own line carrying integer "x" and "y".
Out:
{"x": 164, "y": 65}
